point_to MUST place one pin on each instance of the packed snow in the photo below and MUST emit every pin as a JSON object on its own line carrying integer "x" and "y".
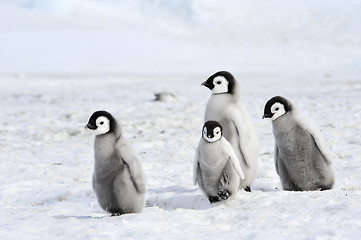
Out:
{"x": 62, "y": 60}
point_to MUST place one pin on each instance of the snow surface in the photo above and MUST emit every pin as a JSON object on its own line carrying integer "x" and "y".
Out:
{"x": 62, "y": 60}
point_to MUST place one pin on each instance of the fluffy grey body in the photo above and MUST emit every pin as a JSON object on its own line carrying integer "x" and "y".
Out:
{"x": 300, "y": 164}
{"x": 215, "y": 174}
{"x": 301, "y": 157}
{"x": 216, "y": 166}
{"x": 118, "y": 178}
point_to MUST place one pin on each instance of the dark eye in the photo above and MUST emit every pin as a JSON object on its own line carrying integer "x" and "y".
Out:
{"x": 276, "y": 109}
{"x": 217, "y": 132}
{"x": 219, "y": 82}
{"x": 101, "y": 123}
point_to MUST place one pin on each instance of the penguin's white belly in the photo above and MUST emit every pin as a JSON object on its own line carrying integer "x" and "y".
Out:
{"x": 212, "y": 164}
{"x": 216, "y": 110}
{"x": 216, "y": 106}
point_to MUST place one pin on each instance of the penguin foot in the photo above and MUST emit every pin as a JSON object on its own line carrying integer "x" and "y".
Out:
{"x": 214, "y": 199}
{"x": 326, "y": 187}
{"x": 223, "y": 194}
{"x": 116, "y": 214}
{"x": 247, "y": 189}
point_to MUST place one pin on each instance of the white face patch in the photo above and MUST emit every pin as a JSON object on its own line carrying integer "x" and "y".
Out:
{"x": 217, "y": 134}
{"x": 278, "y": 109}
{"x": 103, "y": 126}
{"x": 220, "y": 85}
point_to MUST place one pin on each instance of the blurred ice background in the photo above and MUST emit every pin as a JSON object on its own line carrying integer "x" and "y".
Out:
{"x": 182, "y": 36}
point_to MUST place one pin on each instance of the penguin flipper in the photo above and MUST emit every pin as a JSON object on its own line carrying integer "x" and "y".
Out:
{"x": 315, "y": 133}
{"x": 276, "y": 158}
{"x": 247, "y": 140}
{"x": 195, "y": 166}
{"x": 127, "y": 154}
{"x": 228, "y": 149}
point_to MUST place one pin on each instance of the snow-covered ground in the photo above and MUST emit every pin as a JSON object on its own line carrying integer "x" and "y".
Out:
{"x": 62, "y": 60}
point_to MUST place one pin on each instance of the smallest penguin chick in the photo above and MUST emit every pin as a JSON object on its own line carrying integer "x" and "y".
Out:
{"x": 118, "y": 178}
{"x": 216, "y": 167}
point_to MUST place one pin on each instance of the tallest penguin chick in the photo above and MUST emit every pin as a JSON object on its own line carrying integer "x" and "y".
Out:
{"x": 118, "y": 179}
{"x": 301, "y": 157}
{"x": 224, "y": 106}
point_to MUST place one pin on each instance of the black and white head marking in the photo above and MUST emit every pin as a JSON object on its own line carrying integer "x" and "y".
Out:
{"x": 221, "y": 82}
{"x": 101, "y": 122}
{"x": 276, "y": 107}
{"x": 212, "y": 131}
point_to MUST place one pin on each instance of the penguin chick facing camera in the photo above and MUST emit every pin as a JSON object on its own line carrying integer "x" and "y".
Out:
{"x": 225, "y": 106}
{"x": 302, "y": 159}
{"x": 118, "y": 178}
{"x": 216, "y": 167}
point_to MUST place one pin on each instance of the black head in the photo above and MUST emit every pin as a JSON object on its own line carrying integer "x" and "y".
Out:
{"x": 276, "y": 107}
{"x": 212, "y": 131}
{"x": 221, "y": 82}
{"x": 101, "y": 122}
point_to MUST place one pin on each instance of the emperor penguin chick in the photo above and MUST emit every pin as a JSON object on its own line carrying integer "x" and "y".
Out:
{"x": 225, "y": 107}
{"x": 216, "y": 167}
{"x": 118, "y": 178}
{"x": 301, "y": 157}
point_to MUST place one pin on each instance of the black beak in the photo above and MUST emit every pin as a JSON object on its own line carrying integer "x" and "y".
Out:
{"x": 206, "y": 84}
{"x": 267, "y": 115}
{"x": 91, "y": 127}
